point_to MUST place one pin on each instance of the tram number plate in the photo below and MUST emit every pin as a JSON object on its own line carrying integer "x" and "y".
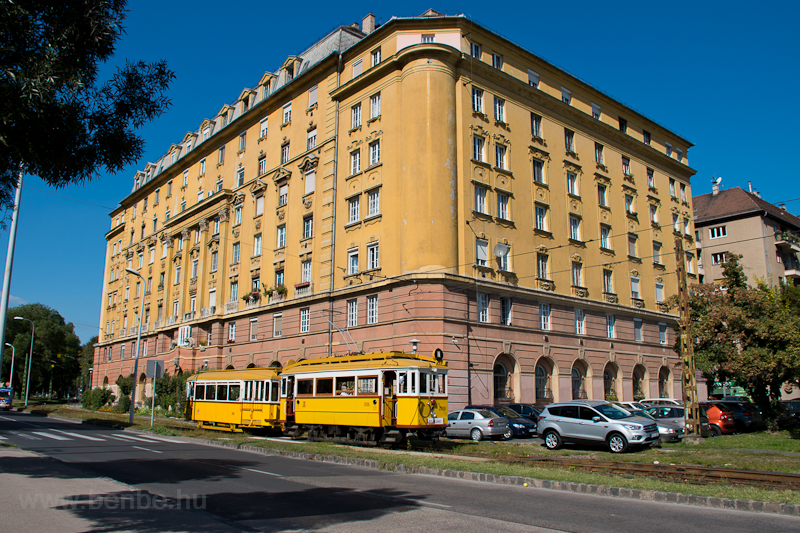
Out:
{"x": 435, "y": 421}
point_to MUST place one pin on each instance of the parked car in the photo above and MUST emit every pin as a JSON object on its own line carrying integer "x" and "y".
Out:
{"x": 675, "y": 415}
{"x": 736, "y": 399}
{"x": 476, "y": 424}
{"x": 526, "y": 410}
{"x": 630, "y": 405}
{"x": 661, "y": 401}
{"x": 746, "y": 416}
{"x": 520, "y": 425}
{"x": 790, "y": 415}
{"x": 668, "y": 431}
{"x": 595, "y": 421}
{"x": 720, "y": 418}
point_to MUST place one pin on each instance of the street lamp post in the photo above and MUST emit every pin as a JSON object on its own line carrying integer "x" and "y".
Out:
{"x": 11, "y": 378}
{"x": 30, "y": 357}
{"x": 136, "y": 355}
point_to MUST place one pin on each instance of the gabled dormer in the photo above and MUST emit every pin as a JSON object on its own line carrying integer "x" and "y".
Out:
{"x": 189, "y": 141}
{"x": 291, "y": 68}
{"x": 266, "y": 85}
{"x": 224, "y": 116}
{"x": 206, "y": 129}
{"x": 139, "y": 179}
{"x": 245, "y": 100}
{"x": 149, "y": 171}
{"x": 173, "y": 153}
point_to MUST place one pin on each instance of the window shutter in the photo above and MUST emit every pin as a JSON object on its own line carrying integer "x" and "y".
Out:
{"x": 312, "y": 96}
{"x": 310, "y": 179}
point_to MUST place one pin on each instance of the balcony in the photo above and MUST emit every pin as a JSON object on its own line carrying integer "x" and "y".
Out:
{"x": 580, "y": 292}
{"x": 172, "y": 320}
{"x": 252, "y": 303}
{"x": 303, "y": 289}
{"x": 188, "y": 316}
{"x": 637, "y": 303}
{"x": 793, "y": 272}
{"x": 158, "y": 323}
{"x": 545, "y": 284}
{"x": 231, "y": 307}
{"x": 275, "y": 298}
{"x": 787, "y": 241}
{"x": 610, "y": 297}
{"x": 208, "y": 311}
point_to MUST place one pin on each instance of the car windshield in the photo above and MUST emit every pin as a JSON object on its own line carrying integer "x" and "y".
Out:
{"x": 639, "y": 412}
{"x": 670, "y": 412}
{"x": 612, "y": 411}
{"x": 5, "y": 393}
{"x": 508, "y": 412}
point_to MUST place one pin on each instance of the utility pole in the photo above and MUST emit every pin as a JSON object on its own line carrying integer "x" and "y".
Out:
{"x": 689, "y": 388}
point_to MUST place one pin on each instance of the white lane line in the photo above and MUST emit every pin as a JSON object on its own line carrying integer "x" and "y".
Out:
{"x": 3, "y": 438}
{"x": 262, "y": 472}
{"x": 78, "y": 435}
{"x": 162, "y": 439}
{"x": 410, "y": 500}
{"x": 6, "y": 418}
{"x": 146, "y": 449}
{"x": 133, "y": 438}
{"x": 24, "y": 435}
{"x": 117, "y": 438}
{"x": 50, "y": 435}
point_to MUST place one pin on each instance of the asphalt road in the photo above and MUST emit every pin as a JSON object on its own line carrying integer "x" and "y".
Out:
{"x": 232, "y": 490}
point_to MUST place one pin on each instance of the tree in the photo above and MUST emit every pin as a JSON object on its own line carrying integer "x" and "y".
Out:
{"x": 748, "y": 334}
{"x": 56, "y": 349}
{"x": 86, "y": 359}
{"x": 50, "y": 53}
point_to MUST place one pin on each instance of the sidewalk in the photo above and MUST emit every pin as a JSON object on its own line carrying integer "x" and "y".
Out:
{"x": 45, "y": 495}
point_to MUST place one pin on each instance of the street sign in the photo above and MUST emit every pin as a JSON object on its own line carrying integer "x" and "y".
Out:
{"x": 155, "y": 369}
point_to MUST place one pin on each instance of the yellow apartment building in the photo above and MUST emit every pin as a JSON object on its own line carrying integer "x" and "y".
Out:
{"x": 418, "y": 185}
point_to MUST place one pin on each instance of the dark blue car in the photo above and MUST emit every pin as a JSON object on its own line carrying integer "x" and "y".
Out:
{"x": 520, "y": 426}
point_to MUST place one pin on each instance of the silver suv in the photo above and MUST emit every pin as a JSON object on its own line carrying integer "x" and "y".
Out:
{"x": 595, "y": 421}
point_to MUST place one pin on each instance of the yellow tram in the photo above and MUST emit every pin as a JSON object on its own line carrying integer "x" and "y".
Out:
{"x": 230, "y": 400}
{"x": 366, "y": 398}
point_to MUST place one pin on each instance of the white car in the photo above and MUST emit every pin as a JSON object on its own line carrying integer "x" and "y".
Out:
{"x": 662, "y": 401}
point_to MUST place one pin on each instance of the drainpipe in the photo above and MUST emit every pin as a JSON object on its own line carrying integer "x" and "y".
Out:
{"x": 335, "y": 180}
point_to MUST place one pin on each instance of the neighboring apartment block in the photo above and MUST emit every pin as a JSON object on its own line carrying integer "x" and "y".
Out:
{"x": 740, "y": 222}
{"x": 424, "y": 180}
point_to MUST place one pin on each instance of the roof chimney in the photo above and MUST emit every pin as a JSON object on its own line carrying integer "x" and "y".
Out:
{"x": 715, "y": 188}
{"x": 368, "y": 24}
{"x": 750, "y": 186}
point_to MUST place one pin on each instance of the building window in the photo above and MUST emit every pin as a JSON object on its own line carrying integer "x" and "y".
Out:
{"x": 668, "y": 148}
{"x": 352, "y": 261}
{"x": 629, "y": 204}
{"x": 538, "y": 171}
{"x": 194, "y": 267}
{"x": 281, "y": 236}
{"x": 310, "y": 179}
{"x": 263, "y": 128}
{"x": 374, "y": 198}
{"x": 651, "y": 182}
{"x": 240, "y": 177}
{"x": 689, "y": 263}
{"x": 480, "y": 199}
{"x": 595, "y": 111}
{"x": 372, "y": 309}
{"x": 232, "y": 332}
{"x": 376, "y": 57}
{"x": 287, "y": 113}
{"x": 566, "y": 96}
{"x": 598, "y": 153}
{"x": 283, "y": 194}
{"x": 305, "y": 320}
{"x": 536, "y": 125}
{"x": 720, "y": 259}
{"x": 427, "y": 38}
{"x": 533, "y": 79}
{"x": 177, "y": 275}
{"x": 499, "y": 109}
{"x": 236, "y": 248}
{"x": 277, "y": 324}
{"x": 355, "y": 207}
{"x": 683, "y": 192}
{"x": 632, "y": 245}
{"x": 216, "y": 225}
{"x": 214, "y": 261}
{"x": 605, "y": 237}
{"x": 352, "y": 313}
{"x": 717, "y": 232}
{"x": 502, "y": 206}
{"x": 608, "y": 281}
{"x": 580, "y": 322}
{"x": 541, "y": 266}
{"x": 637, "y": 329}
{"x": 374, "y": 153}
{"x": 659, "y": 292}
{"x": 676, "y": 223}
{"x": 481, "y": 252}
{"x": 219, "y": 183}
{"x": 623, "y": 125}
{"x": 183, "y": 206}
{"x": 500, "y": 156}
{"x": 634, "y": 287}
{"x": 311, "y": 140}
{"x": 577, "y": 274}
{"x": 355, "y": 116}
{"x": 259, "y": 205}
{"x": 574, "y": 228}
{"x": 657, "y": 252}
{"x": 253, "y": 329}
{"x": 373, "y": 256}
{"x": 662, "y": 333}
{"x": 541, "y": 217}
{"x": 308, "y": 227}
{"x": 626, "y": 166}
{"x": 234, "y": 291}
{"x": 672, "y": 188}
{"x": 505, "y": 311}
{"x": 601, "y": 195}
{"x": 646, "y": 137}
{"x": 237, "y": 215}
{"x": 572, "y": 183}
{"x": 242, "y": 141}
{"x": 569, "y": 140}
{"x": 257, "y": 245}
{"x": 305, "y": 272}
{"x": 686, "y": 228}
{"x": 544, "y": 317}
{"x": 358, "y": 67}
{"x": 285, "y": 153}
{"x": 653, "y": 213}
{"x": 477, "y": 148}
{"x": 483, "y": 307}
{"x": 375, "y": 106}
{"x": 497, "y": 61}
{"x": 611, "y": 330}
{"x": 355, "y": 162}
{"x": 504, "y": 259}
{"x": 475, "y": 50}
{"x": 477, "y": 100}
{"x": 312, "y": 96}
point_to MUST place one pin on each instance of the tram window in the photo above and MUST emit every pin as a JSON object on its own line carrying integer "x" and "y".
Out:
{"x": 222, "y": 393}
{"x": 423, "y": 382}
{"x": 283, "y": 387}
{"x": 266, "y": 388}
{"x": 345, "y": 386}
{"x": 402, "y": 385}
{"x": 305, "y": 386}
{"x": 413, "y": 387}
{"x": 324, "y": 386}
{"x": 199, "y": 392}
{"x": 233, "y": 393}
{"x": 275, "y": 392}
{"x": 211, "y": 392}
{"x": 440, "y": 380}
{"x": 367, "y": 385}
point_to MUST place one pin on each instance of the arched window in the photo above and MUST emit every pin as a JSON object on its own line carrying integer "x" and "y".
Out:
{"x": 578, "y": 392}
{"x": 638, "y": 383}
{"x": 663, "y": 383}
{"x": 500, "y": 382}
{"x": 543, "y": 391}
{"x": 609, "y": 385}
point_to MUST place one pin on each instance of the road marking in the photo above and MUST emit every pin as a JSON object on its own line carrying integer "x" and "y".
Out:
{"x": 262, "y": 472}
{"x": 409, "y": 500}
{"x": 3, "y": 438}
{"x": 50, "y": 435}
{"x": 146, "y": 449}
{"x": 162, "y": 439}
{"x": 133, "y": 438}
{"x": 24, "y": 435}
{"x": 87, "y": 437}
{"x": 6, "y": 418}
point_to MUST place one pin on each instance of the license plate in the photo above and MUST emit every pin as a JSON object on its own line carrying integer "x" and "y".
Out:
{"x": 435, "y": 421}
{"x": 653, "y": 435}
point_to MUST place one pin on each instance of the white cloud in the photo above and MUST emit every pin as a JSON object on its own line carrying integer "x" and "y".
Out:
{"x": 16, "y": 300}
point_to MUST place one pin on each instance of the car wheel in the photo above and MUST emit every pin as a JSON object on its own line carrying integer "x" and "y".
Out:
{"x": 617, "y": 443}
{"x": 715, "y": 431}
{"x": 508, "y": 434}
{"x": 476, "y": 434}
{"x": 552, "y": 440}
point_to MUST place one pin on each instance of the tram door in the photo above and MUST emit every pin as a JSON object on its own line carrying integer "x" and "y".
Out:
{"x": 389, "y": 414}
{"x": 248, "y": 405}
{"x": 288, "y": 383}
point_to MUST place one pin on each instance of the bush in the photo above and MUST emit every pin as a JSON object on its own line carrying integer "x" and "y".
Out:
{"x": 124, "y": 404}
{"x": 97, "y": 398}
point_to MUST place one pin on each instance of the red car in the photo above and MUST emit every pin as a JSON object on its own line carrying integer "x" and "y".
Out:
{"x": 720, "y": 419}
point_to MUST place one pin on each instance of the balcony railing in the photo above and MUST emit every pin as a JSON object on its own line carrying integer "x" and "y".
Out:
{"x": 252, "y": 303}
{"x": 188, "y": 316}
{"x": 172, "y": 320}
{"x": 232, "y": 306}
{"x": 208, "y": 311}
{"x": 299, "y": 292}
{"x": 275, "y": 298}
{"x": 158, "y": 323}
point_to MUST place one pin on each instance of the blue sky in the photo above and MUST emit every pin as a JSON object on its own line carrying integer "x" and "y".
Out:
{"x": 722, "y": 74}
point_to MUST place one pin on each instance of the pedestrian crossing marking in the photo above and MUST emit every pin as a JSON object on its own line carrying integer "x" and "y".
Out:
{"x": 50, "y": 435}
{"x": 131, "y": 438}
{"x": 78, "y": 435}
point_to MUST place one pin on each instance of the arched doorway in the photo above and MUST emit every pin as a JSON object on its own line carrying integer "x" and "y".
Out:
{"x": 610, "y": 392}
{"x": 639, "y": 381}
{"x": 105, "y": 382}
{"x": 504, "y": 383}
{"x": 664, "y": 389}
{"x": 578, "y": 381}
{"x": 142, "y": 388}
{"x": 229, "y": 367}
{"x": 544, "y": 377}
